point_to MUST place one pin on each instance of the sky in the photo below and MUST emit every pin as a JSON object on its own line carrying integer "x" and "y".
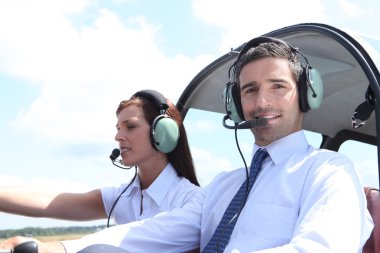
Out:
{"x": 66, "y": 65}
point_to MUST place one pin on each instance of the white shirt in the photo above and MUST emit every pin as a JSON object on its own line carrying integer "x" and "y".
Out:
{"x": 168, "y": 191}
{"x": 304, "y": 200}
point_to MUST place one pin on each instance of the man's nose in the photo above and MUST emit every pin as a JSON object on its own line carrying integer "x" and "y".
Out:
{"x": 263, "y": 98}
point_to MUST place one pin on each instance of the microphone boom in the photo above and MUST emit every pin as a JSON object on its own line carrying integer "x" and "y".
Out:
{"x": 115, "y": 154}
{"x": 246, "y": 124}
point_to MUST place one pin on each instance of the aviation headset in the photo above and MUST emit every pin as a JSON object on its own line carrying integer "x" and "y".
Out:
{"x": 164, "y": 131}
{"x": 310, "y": 85}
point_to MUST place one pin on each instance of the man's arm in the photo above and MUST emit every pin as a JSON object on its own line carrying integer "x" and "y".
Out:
{"x": 174, "y": 231}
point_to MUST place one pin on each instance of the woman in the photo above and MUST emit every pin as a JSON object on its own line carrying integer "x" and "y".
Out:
{"x": 165, "y": 179}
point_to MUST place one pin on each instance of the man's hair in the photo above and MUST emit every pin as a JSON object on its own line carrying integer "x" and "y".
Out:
{"x": 270, "y": 49}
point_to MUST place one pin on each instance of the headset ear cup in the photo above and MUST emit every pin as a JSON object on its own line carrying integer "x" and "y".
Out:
{"x": 232, "y": 103}
{"x": 164, "y": 133}
{"x": 302, "y": 92}
{"x": 315, "y": 98}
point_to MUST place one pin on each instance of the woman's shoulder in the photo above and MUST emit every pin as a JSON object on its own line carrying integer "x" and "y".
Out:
{"x": 182, "y": 192}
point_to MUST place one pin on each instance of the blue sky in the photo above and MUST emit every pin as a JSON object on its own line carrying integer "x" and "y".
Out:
{"x": 65, "y": 66}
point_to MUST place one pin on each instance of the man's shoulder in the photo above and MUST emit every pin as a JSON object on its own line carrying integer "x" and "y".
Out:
{"x": 329, "y": 155}
{"x": 329, "y": 161}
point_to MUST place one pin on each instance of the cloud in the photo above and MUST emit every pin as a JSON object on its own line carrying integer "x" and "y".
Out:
{"x": 201, "y": 126}
{"x": 208, "y": 164}
{"x": 85, "y": 59}
{"x": 85, "y": 68}
{"x": 354, "y": 10}
{"x": 47, "y": 184}
{"x": 242, "y": 20}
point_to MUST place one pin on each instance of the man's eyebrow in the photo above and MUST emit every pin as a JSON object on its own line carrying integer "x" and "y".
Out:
{"x": 247, "y": 85}
{"x": 274, "y": 80}
{"x": 254, "y": 83}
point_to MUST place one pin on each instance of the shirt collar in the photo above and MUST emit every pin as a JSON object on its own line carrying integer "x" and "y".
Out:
{"x": 285, "y": 147}
{"x": 160, "y": 187}
{"x": 135, "y": 186}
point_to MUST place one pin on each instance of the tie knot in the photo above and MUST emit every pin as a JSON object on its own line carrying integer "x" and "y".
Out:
{"x": 255, "y": 167}
{"x": 260, "y": 155}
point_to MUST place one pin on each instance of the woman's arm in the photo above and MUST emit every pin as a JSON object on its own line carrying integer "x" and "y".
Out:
{"x": 59, "y": 205}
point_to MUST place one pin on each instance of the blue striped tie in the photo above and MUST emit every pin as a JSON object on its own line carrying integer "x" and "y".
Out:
{"x": 222, "y": 234}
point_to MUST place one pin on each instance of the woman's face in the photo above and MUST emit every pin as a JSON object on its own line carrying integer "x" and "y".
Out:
{"x": 133, "y": 135}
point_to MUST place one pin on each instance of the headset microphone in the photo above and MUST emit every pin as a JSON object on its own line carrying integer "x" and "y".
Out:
{"x": 246, "y": 124}
{"x": 115, "y": 154}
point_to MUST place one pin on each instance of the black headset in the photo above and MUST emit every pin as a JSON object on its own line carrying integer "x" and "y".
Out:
{"x": 310, "y": 85}
{"x": 164, "y": 130}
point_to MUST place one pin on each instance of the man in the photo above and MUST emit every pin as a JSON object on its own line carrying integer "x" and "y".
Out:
{"x": 303, "y": 199}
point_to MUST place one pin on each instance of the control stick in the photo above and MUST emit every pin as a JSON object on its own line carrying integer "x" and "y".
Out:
{"x": 25, "y": 247}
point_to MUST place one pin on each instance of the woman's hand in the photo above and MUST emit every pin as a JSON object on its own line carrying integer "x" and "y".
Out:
{"x": 11, "y": 243}
{"x": 19, "y": 241}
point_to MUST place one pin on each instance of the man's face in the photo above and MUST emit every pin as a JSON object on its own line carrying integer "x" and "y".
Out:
{"x": 269, "y": 90}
